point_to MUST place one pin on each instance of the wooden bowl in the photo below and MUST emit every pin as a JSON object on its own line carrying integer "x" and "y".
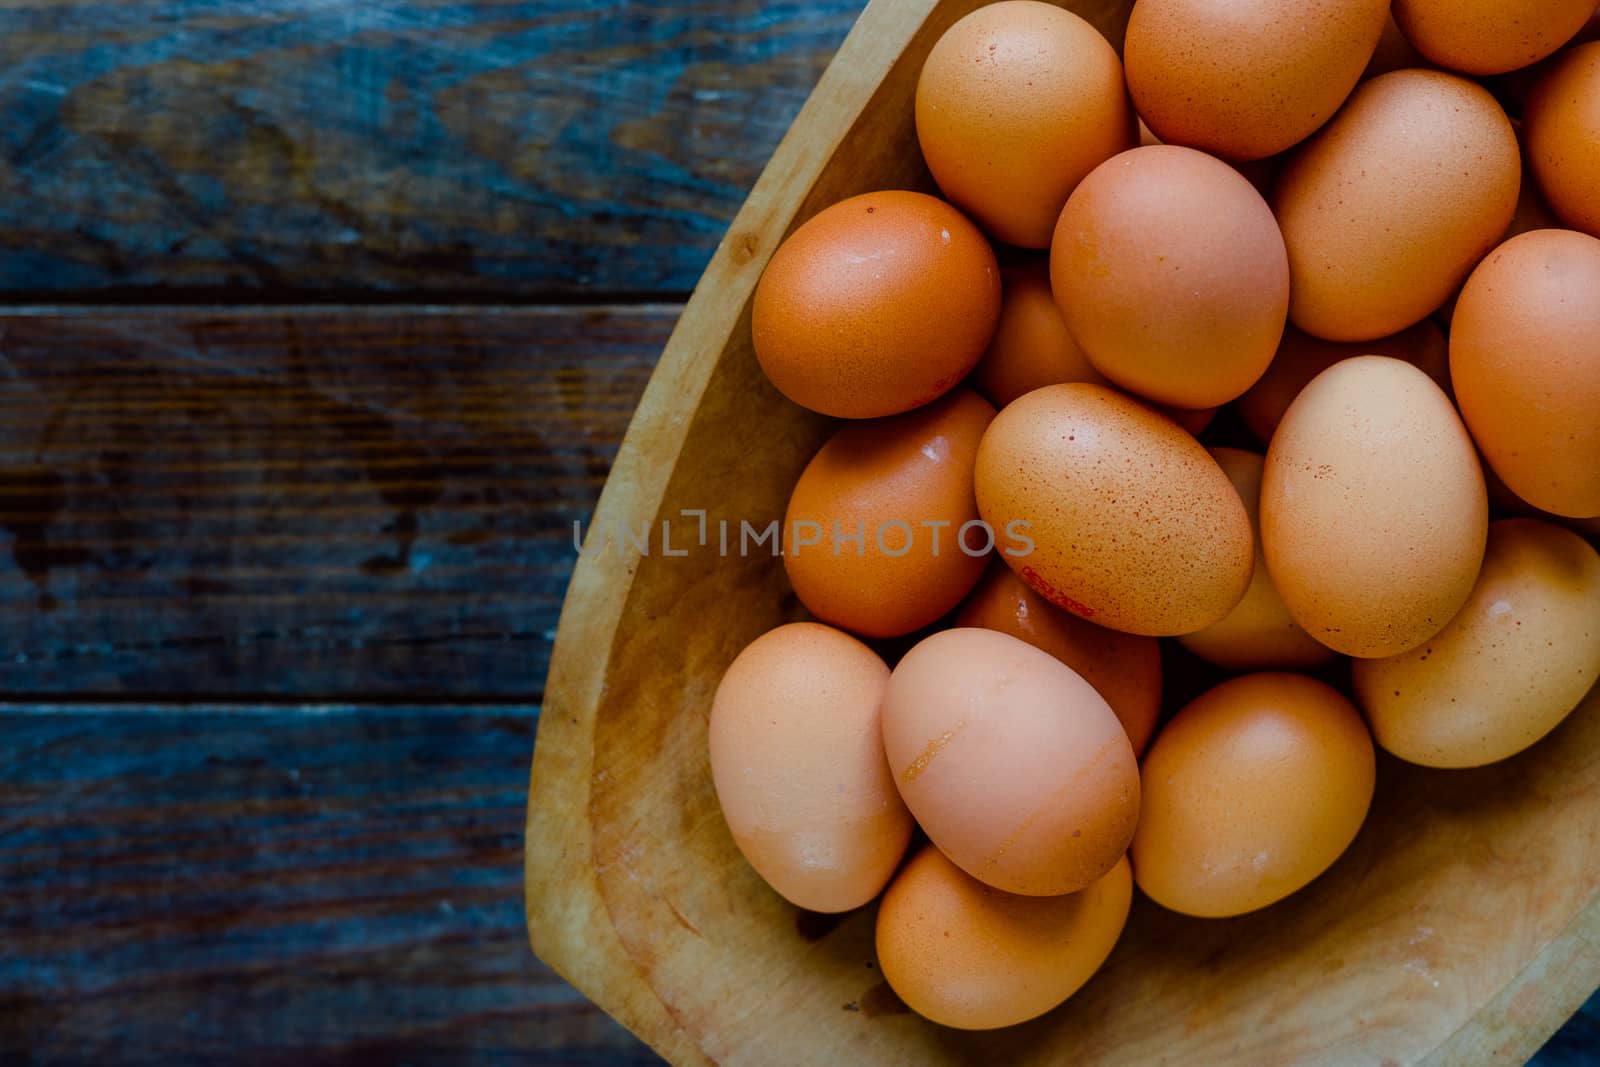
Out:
{"x": 1463, "y": 926}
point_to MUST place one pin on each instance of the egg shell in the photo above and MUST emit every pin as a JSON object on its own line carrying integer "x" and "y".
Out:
{"x": 1394, "y": 52}
{"x": 876, "y": 305}
{"x": 965, "y": 955}
{"x": 1016, "y": 103}
{"x": 1014, "y": 766}
{"x": 1561, "y": 125}
{"x": 883, "y": 480}
{"x": 1171, "y": 275}
{"x": 1373, "y": 508}
{"x": 1246, "y": 78}
{"x": 1508, "y": 668}
{"x": 1490, "y": 36}
{"x": 797, "y": 761}
{"x": 1125, "y": 669}
{"x": 1525, "y": 357}
{"x": 1302, "y": 357}
{"x": 1133, "y": 525}
{"x": 1259, "y": 633}
{"x": 1031, "y": 347}
{"x": 1389, "y": 206}
{"x": 1252, "y": 790}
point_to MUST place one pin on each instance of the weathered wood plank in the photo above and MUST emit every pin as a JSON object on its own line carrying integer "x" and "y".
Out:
{"x": 524, "y": 147}
{"x": 305, "y": 502}
{"x": 275, "y": 885}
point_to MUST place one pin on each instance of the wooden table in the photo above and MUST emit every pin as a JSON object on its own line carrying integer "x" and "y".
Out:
{"x": 322, "y": 321}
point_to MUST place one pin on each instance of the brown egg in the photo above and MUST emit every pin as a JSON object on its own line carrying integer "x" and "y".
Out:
{"x": 1013, "y": 765}
{"x": 1394, "y": 52}
{"x": 797, "y": 760}
{"x": 1302, "y": 357}
{"x": 1373, "y": 508}
{"x": 1387, "y": 208}
{"x": 1125, "y": 669}
{"x": 1133, "y": 526}
{"x": 1525, "y": 359}
{"x": 1561, "y": 125}
{"x": 1252, "y": 790}
{"x": 876, "y": 305}
{"x": 1171, "y": 275}
{"x": 1195, "y": 420}
{"x": 1246, "y": 78}
{"x": 1259, "y": 633}
{"x": 881, "y": 532}
{"x": 1508, "y": 668}
{"x": 1490, "y": 36}
{"x": 1031, "y": 346}
{"x": 1016, "y": 103}
{"x": 965, "y": 955}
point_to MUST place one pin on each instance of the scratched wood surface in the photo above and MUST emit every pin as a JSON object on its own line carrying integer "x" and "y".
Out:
{"x": 506, "y": 147}
{"x": 301, "y": 502}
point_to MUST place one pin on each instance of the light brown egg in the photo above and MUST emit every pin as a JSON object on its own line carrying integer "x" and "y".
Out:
{"x": 1016, "y": 103}
{"x": 1490, "y": 36}
{"x": 1259, "y": 633}
{"x": 797, "y": 761}
{"x": 886, "y": 506}
{"x": 1123, "y": 668}
{"x": 1525, "y": 359}
{"x": 1252, "y": 790}
{"x": 1388, "y": 207}
{"x": 1561, "y": 126}
{"x": 965, "y": 955}
{"x": 1246, "y": 78}
{"x": 1133, "y": 526}
{"x": 1171, "y": 274}
{"x": 1508, "y": 668}
{"x": 1373, "y": 508}
{"x": 1302, "y": 357}
{"x": 1031, "y": 346}
{"x": 876, "y": 305}
{"x": 1012, "y": 763}
{"x": 1195, "y": 420}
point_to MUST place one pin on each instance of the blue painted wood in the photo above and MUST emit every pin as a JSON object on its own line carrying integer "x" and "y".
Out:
{"x": 325, "y": 884}
{"x": 307, "y": 503}
{"x": 476, "y": 146}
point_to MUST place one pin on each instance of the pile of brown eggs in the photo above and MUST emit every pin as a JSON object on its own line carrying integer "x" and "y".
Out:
{"x": 1326, "y": 241}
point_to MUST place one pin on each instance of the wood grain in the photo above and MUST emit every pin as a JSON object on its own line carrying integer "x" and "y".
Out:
{"x": 1459, "y": 926}
{"x": 247, "y": 884}
{"x": 299, "y": 146}
{"x": 301, "y": 503}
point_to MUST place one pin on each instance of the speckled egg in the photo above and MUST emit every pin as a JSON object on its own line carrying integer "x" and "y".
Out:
{"x": 1561, "y": 126}
{"x": 876, "y": 305}
{"x": 1245, "y": 79}
{"x": 1525, "y": 357}
{"x": 1259, "y": 633}
{"x": 1123, "y": 668}
{"x": 1172, "y": 276}
{"x": 1014, "y": 766}
{"x": 1132, "y": 524}
{"x": 1508, "y": 668}
{"x": 1032, "y": 346}
{"x": 1252, "y": 790}
{"x": 1016, "y": 103}
{"x": 882, "y": 532}
{"x": 968, "y": 956}
{"x": 1302, "y": 357}
{"x": 797, "y": 761}
{"x": 1389, "y": 206}
{"x": 1373, "y": 508}
{"x": 1490, "y": 36}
